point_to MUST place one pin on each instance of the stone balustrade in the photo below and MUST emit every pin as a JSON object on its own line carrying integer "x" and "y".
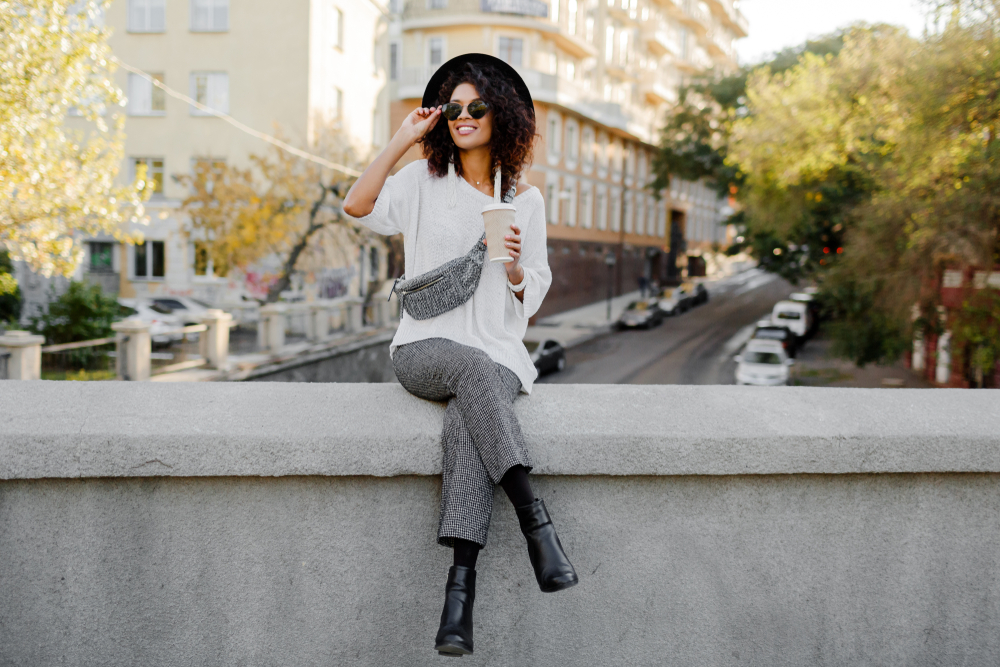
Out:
{"x": 275, "y": 523}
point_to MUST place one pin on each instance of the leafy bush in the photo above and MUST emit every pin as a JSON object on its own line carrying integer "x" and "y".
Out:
{"x": 10, "y": 293}
{"x": 82, "y": 312}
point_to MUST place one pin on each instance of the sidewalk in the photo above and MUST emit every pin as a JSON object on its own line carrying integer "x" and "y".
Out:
{"x": 579, "y": 325}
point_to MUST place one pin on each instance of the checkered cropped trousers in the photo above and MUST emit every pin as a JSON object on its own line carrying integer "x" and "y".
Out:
{"x": 481, "y": 438}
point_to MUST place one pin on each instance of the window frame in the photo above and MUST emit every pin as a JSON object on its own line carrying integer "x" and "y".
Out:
{"x": 210, "y": 91}
{"x": 212, "y": 7}
{"x": 510, "y": 40}
{"x": 444, "y": 51}
{"x": 155, "y": 94}
{"x": 149, "y": 251}
{"x": 150, "y": 170}
{"x": 148, "y": 28}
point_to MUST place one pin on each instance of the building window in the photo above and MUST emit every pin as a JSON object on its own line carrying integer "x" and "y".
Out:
{"x": 554, "y": 127}
{"x": 202, "y": 260}
{"x": 394, "y": 61}
{"x": 586, "y": 206}
{"x": 209, "y": 15}
{"x": 338, "y": 28}
{"x": 210, "y": 89}
{"x": 629, "y": 214}
{"x": 616, "y": 211}
{"x": 145, "y": 99}
{"x": 339, "y": 103}
{"x": 552, "y": 200}
{"x": 601, "y": 209}
{"x": 588, "y": 148}
{"x": 101, "y": 258}
{"x": 435, "y": 51}
{"x": 153, "y": 178}
{"x": 589, "y": 30}
{"x": 602, "y": 156}
{"x": 609, "y": 44}
{"x": 569, "y": 210}
{"x": 437, "y": 4}
{"x": 511, "y": 50}
{"x": 640, "y": 218}
{"x": 146, "y": 16}
{"x": 149, "y": 260}
{"x": 571, "y": 16}
{"x": 572, "y": 145}
{"x": 555, "y": 10}
{"x": 395, "y": 6}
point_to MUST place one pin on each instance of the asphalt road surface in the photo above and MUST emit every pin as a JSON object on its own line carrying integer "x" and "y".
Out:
{"x": 696, "y": 347}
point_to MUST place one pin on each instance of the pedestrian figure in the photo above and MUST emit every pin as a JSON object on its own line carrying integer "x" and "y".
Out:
{"x": 463, "y": 320}
{"x": 643, "y": 285}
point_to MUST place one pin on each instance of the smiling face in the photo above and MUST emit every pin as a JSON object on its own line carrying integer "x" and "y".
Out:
{"x": 468, "y": 132}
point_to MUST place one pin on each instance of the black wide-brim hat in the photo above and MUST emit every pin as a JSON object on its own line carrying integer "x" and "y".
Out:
{"x": 458, "y": 62}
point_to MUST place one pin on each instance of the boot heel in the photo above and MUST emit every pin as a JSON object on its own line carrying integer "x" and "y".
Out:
{"x": 454, "y": 637}
{"x": 553, "y": 571}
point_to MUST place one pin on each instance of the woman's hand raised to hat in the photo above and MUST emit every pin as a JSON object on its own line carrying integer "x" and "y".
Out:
{"x": 420, "y": 121}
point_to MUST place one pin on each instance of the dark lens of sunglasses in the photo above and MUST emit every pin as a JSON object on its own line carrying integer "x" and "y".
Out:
{"x": 478, "y": 109}
{"x": 451, "y": 111}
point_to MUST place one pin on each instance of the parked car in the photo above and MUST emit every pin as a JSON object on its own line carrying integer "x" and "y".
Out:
{"x": 547, "y": 355}
{"x": 162, "y": 322}
{"x": 767, "y": 330}
{"x": 675, "y": 300}
{"x": 641, "y": 314}
{"x": 763, "y": 363}
{"x": 185, "y": 308}
{"x": 699, "y": 294}
{"x": 812, "y": 304}
{"x": 794, "y": 315}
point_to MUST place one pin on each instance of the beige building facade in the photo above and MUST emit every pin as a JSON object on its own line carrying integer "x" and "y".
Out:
{"x": 602, "y": 74}
{"x": 283, "y": 68}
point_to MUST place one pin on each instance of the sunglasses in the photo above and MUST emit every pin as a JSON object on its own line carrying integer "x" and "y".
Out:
{"x": 477, "y": 109}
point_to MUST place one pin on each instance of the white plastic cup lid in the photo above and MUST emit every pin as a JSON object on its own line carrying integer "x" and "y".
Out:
{"x": 499, "y": 207}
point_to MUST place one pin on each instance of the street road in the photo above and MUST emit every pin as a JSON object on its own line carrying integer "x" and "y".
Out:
{"x": 696, "y": 347}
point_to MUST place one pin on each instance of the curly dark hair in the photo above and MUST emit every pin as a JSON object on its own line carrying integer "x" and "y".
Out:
{"x": 513, "y": 136}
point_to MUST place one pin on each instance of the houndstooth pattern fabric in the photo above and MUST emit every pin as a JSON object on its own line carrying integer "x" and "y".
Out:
{"x": 481, "y": 437}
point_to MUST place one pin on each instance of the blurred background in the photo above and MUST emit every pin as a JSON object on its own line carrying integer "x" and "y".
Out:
{"x": 773, "y": 192}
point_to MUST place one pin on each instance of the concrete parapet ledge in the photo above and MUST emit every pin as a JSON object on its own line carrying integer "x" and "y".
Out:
{"x": 79, "y": 430}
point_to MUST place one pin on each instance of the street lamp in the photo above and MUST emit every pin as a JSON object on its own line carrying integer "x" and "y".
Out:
{"x": 609, "y": 260}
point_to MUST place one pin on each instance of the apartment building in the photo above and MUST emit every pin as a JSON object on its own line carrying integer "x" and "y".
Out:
{"x": 602, "y": 74}
{"x": 279, "y": 68}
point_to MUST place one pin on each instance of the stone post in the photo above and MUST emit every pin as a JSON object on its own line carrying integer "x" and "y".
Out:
{"x": 273, "y": 318}
{"x": 134, "y": 347}
{"x": 942, "y": 372}
{"x": 216, "y": 340}
{"x": 353, "y": 307}
{"x": 319, "y": 321}
{"x": 25, "y": 349}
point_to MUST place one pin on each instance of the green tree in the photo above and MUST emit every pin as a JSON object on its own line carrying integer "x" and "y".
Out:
{"x": 885, "y": 158}
{"x": 58, "y": 184}
{"x": 82, "y": 312}
{"x": 10, "y": 292}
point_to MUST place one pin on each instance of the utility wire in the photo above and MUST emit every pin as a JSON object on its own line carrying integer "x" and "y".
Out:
{"x": 274, "y": 141}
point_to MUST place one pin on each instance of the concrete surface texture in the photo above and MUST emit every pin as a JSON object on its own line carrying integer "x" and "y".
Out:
{"x": 277, "y": 524}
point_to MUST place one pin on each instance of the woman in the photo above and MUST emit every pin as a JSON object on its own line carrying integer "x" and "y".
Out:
{"x": 472, "y": 355}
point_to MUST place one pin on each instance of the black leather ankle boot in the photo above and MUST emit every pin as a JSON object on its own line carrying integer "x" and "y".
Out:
{"x": 454, "y": 638}
{"x": 553, "y": 570}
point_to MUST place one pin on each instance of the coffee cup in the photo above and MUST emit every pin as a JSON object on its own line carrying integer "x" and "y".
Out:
{"x": 498, "y": 218}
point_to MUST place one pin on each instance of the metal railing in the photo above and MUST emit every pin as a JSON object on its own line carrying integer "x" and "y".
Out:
{"x": 81, "y": 360}
{"x": 185, "y": 354}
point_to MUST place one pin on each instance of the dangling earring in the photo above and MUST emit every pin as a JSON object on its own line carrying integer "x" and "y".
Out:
{"x": 452, "y": 185}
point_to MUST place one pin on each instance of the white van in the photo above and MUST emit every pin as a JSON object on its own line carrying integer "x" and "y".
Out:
{"x": 794, "y": 315}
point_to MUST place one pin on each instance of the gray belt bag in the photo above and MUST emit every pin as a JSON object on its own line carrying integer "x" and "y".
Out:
{"x": 446, "y": 287}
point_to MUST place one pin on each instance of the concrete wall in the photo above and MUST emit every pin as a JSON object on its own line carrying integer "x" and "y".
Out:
{"x": 287, "y": 524}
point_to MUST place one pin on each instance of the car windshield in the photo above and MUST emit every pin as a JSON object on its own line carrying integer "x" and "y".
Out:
{"x": 203, "y": 304}
{"x": 638, "y": 305}
{"x": 788, "y": 315}
{"x": 762, "y": 358}
{"x": 531, "y": 345}
{"x": 770, "y": 334}
{"x": 125, "y": 311}
{"x": 170, "y": 304}
{"x": 160, "y": 308}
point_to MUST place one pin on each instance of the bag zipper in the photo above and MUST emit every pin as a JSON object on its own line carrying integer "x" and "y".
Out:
{"x": 422, "y": 287}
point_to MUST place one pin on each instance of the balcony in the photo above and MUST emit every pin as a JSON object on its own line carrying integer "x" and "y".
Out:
{"x": 695, "y": 16}
{"x": 658, "y": 87}
{"x": 658, "y": 39}
{"x": 733, "y": 16}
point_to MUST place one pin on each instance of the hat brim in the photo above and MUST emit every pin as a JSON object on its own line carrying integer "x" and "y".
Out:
{"x": 458, "y": 62}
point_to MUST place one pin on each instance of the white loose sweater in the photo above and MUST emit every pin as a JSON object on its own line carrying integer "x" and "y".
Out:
{"x": 493, "y": 320}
